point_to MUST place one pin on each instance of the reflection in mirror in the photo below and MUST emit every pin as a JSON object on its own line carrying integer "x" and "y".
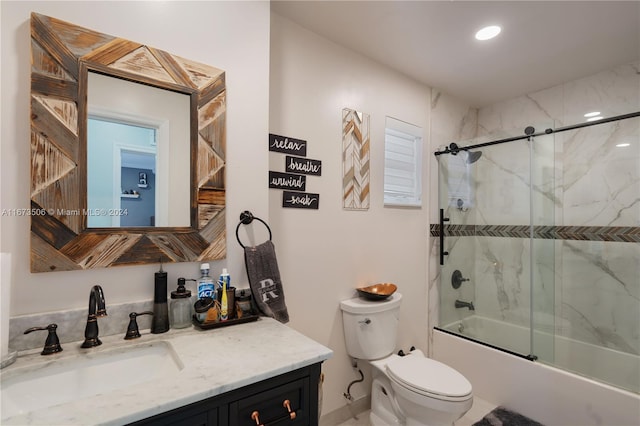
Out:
{"x": 121, "y": 171}
{"x": 136, "y": 129}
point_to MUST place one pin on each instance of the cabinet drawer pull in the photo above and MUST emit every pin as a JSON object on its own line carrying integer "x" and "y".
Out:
{"x": 287, "y": 404}
{"x": 255, "y": 416}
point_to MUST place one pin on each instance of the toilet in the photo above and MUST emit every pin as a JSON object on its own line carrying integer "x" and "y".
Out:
{"x": 406, "y": 390}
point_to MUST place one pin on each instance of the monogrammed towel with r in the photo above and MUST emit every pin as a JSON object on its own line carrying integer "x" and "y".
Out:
{"x": 264, "y": 278}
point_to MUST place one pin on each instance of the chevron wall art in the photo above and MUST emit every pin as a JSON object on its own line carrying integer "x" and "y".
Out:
{"x": 61, "y": 56}
{"x": 355, "y": 160}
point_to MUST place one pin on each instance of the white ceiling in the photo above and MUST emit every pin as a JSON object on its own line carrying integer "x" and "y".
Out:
{"x": 542, "y": 44}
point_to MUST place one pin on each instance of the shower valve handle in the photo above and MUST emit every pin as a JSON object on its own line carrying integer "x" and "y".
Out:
{"x": 457, "y": 279}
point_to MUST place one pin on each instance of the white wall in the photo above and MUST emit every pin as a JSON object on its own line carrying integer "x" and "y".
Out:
{"x": 233, "y": 36}
{"x": 325, "y": 254}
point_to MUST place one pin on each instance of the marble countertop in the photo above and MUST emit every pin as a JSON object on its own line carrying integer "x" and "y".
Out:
{"x": 214, "y": 361}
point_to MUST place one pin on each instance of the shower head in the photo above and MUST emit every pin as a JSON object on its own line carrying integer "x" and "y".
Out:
{"x": 473, "y": 156}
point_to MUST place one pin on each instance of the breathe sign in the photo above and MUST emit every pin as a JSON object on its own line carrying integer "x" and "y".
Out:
{"x": 306, "y": 166}
{"x": 287, "y": 145}
{"x": 300, "y": 200}
{"x": 280, "y": 180}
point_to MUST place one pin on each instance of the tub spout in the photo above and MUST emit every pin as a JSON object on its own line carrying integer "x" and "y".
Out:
{"x": 461, "y": 304}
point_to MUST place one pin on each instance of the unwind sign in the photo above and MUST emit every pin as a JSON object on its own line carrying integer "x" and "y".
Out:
{"x": 278, "y": 180}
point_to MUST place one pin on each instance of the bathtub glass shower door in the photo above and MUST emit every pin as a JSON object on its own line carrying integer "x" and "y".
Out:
{"x": 491, "y": 197}
{"x": 545, "y": 206}
{"x": 597, "y": 245}
{"x": 542, "y": 237}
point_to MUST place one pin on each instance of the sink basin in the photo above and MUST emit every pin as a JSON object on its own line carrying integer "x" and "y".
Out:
{"x": 88, "y": 374}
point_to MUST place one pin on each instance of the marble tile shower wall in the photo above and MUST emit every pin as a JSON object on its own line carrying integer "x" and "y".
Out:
{"x": 600, "y": 291}
{"x": 451, "y": 121}
{"x": 585, "y": 290}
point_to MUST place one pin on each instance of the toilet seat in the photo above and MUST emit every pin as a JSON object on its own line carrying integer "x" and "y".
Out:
{"x": 429, "y": 378}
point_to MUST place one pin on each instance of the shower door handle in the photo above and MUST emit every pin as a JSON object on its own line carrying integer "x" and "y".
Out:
{"x": 442, "y": 221}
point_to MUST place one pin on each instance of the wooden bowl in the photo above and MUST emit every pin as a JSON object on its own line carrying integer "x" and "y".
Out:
{"x": 378, "y": 291}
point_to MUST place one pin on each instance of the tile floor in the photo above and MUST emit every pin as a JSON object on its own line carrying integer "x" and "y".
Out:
{"x": 479, "y": 409}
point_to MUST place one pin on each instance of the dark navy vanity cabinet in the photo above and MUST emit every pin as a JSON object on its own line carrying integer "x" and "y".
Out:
{"x": 287, "y": 399}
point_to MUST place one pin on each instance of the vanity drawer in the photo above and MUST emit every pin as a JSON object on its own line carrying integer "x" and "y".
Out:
{"x": 267, "y": 397}
{"x": 287, "y": 404}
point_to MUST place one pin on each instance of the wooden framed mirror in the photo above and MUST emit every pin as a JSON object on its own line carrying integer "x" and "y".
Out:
{"x": 62, "y": 55}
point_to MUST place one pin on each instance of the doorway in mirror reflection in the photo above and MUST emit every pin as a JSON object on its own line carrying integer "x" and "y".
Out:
{"x": 138, "y": 156}
{"x": 121, "y": 170}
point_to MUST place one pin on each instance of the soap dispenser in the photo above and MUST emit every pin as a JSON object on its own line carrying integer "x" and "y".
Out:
{"x": 181, "y": 305}
{"x": 160, "y": 322}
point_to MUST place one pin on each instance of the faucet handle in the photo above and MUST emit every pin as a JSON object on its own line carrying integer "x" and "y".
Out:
{"x": 52, "y": 344}
{"x": 457, "y": 279}
{"x": 132, "y": 329}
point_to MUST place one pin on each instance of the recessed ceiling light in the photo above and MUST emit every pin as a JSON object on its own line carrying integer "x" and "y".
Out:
{"x": 594, "y": 118}
{"x": 489, "y": 32}
{"x": 622, "y": 145}
{"x": 592, "y": 114}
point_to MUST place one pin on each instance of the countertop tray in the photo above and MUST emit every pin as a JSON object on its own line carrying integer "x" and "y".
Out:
{"x": 212, "y": 325}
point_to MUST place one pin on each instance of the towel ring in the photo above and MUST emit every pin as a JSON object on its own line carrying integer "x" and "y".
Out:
{"x": 246, "y": 217}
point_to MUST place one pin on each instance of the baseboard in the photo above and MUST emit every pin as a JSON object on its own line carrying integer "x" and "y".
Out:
{"x": 346, "y": 412}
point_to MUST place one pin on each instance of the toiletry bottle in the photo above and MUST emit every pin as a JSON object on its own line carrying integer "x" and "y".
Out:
{"x": 181, "y": 306}
{"x": 224, "y": 282}
{"x": 206, "y": 288}
{"x": 243, "y": 297}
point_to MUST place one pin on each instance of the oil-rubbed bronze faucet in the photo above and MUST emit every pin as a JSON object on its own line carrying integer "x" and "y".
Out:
{"x": 96, "y": 309}
{"x": 132, "y": 329}
{"x": 460, "y": 304}
{"x": 52, "y": 344}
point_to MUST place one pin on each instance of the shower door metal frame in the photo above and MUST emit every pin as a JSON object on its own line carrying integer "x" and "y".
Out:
{"x": 454, "y": 148}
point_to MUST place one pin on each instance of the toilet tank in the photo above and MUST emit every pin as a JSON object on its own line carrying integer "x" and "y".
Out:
{"x": 371, "y": 327}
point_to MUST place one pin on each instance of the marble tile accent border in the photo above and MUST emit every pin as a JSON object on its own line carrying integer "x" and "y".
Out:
{"x": 622, "y": 234}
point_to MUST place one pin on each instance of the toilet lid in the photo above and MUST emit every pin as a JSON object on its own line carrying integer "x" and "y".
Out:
{"x": 429, "y": 376}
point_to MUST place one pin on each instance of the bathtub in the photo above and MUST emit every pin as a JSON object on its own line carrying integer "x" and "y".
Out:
{"x": 550, "y": 395}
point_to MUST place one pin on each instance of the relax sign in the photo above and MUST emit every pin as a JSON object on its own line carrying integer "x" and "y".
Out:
{"x": 287, "y": 145}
